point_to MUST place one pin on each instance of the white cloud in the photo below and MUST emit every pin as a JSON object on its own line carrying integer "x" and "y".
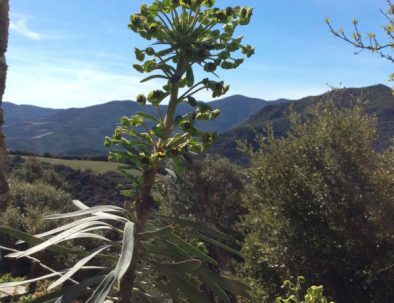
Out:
{"x": 20, "y": 26}
{"x": 70, "y": 86}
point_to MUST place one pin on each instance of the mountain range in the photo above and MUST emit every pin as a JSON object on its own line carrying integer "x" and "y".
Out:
{"x": 81, "y": 131}
{"x": 376, "y": 100}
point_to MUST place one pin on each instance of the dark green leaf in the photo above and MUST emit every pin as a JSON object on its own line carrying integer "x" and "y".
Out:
{"x": 197, "y": 226}
{"x": 189, "y": 77}
{"x": 190, "y": 248}
{"x": 153, "y": 77}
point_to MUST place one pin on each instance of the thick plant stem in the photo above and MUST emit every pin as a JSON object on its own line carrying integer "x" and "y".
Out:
{"x": 145, "y": 204}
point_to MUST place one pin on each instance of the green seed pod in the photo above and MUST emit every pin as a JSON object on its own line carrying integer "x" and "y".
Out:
{"x": 210, "y": 3}
{"x": 210, "y": 67}
{"x": 215, "y": 113}
{"x": 186, "y": 3}
{"x": 139, "y": 54}
{"x": 150, "y": 51}
{"x": 229, "y": 11}
{"x": 243, "y": 12}
{"x": 220, "y": 16}
{"x": 136, "y": 20}
{"x": 144, "y": 9}
{"x": 125, "y": 121}
{"x": 118, "y": 133}
{"x": 107, "y": 142}
{"x": 154, "y": 28}
{"x": 141, "y": 99}
{"x": 156, "y": 96}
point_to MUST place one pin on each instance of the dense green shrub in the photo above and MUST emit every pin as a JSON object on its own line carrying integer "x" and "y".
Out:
{"x": 322, "y": 206}
{"x": 30, "y": 203}
{"x": 209, "y": 191}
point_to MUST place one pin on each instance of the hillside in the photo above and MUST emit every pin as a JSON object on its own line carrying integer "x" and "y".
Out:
{"x": 81, "y": 131}
{"x": 377, "y": 100}
{"x": 22, "y": 113}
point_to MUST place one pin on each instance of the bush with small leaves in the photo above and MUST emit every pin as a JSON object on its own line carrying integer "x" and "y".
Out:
{"x": 321, "y": 206}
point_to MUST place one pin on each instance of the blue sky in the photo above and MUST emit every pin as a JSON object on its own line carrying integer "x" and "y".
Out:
{"x": 77, "y": 53}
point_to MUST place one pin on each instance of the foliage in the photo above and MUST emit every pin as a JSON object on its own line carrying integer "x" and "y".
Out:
{"x": 30, "y": 203}
{"x": 8, "y": 278}
{"x": 86, "y": 185}
{"x": 314, "y": 294}
{"x": 322, "y": 206}
{"x": 26, "y": 211}
{"x": 32, "y": 170}
{"x": 144, "y": 246}
{"x": 370, "y": 41}
{"x": 209, "y": 191}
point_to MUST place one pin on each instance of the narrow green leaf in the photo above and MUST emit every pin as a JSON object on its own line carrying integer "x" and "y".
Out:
{"x": 152, "y": 234}
{"x": 184, "y": 266}
{"x": 78, "y": 222}
{"x": 159, "y": 132}
{"x": 216, "y": 243}
{"x": 76, "y": 267}
{"x": 89, "y": 211}
{"x": 232, "y": 286}
{"x": 191, "y": 292}
{"x": 190, "y": 248}
{"x": 80, "y": 205}
{"x": 179, "y": 169}
{"x": 198, "y": 226}
{"x": 220, "y": 293}
{"x": 189, "y": 77}
{"x": 75, "y": 291}
{"x": 127, "y": 251}
{"x": 54, "y": 240}
{"x": 153, "y": 77}
{"x": 101, "y": 292}
{"x": 32, "y": 240}
{"x": 148, "y": 116}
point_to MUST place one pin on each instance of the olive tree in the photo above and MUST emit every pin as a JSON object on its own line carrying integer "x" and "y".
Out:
{"x": 151, "y": 261}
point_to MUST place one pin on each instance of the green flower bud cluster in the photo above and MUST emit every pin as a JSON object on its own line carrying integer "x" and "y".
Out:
{"x": 193, "y": 33}
{"x": 218, "y": 88}
{"x": 156, "y": 96}
{"x": 185, "y": 32}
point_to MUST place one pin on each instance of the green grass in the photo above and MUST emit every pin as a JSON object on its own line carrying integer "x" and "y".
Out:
{"x": 96, "y": 166}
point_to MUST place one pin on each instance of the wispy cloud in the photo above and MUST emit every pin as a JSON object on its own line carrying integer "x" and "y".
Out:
{"x": 20, "y": 26}
{"x": 74, "y": 85}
